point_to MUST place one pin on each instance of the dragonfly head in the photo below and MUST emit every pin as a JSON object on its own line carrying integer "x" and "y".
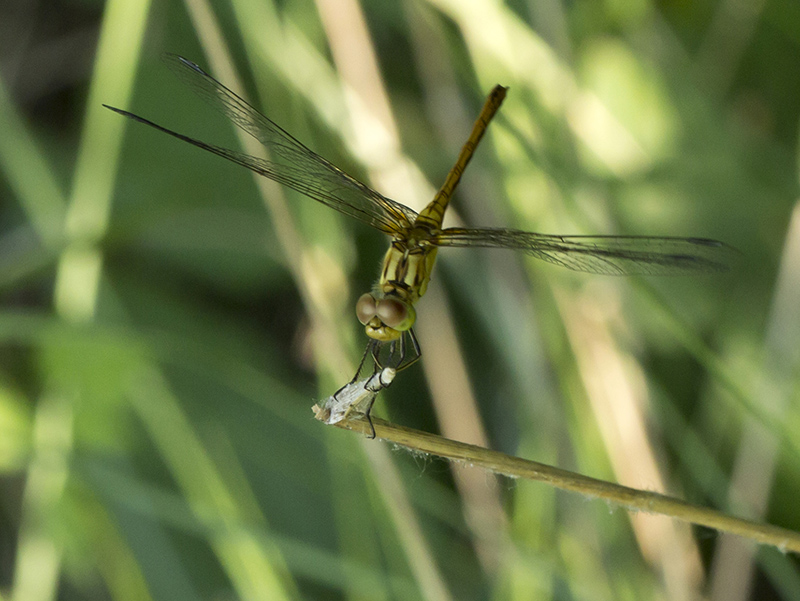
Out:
{"x": 386, "y": 318}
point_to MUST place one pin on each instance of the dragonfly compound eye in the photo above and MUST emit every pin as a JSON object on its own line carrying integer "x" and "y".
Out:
{"x": 366, "y": 308}
{"x": 396, "y": 314}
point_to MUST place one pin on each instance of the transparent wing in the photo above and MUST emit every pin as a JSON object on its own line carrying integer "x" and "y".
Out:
{"x": 291, "y": 163}
{"x": 608, "y": 255}
{"x": 354, "y": 396}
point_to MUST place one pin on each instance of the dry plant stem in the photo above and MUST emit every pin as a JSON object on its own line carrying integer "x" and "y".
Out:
{"x": 629, "y": 498}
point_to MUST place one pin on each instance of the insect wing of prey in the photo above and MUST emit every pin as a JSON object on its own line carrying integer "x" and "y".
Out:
{"x": 354, "y": 396}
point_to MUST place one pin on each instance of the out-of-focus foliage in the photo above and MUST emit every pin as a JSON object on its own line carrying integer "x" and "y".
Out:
{"x": 166, "y": 325}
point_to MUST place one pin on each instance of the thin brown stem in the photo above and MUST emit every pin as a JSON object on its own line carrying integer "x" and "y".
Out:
{"x": 629, "y": 498}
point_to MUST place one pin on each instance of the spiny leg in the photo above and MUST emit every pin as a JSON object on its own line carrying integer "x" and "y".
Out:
{"x": 395, "y": 347}
{"x": 370, "y": 348}
{"x": 417, "y": 351}
{"x": 369, "y": 418}
{"x": 397, "y": 352}
{"x": 375, "y": 347}
{"x": 336, "y": 394}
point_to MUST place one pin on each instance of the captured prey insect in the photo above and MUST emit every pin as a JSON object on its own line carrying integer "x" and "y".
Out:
{"x": 387, "y": 312}
{"x": 355, "y": 396}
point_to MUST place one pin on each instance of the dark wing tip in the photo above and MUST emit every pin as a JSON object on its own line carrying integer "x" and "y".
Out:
{"x": 723, "y": 256}
{"x": 115, "y": 109}
{"x": 714, "y": 244}
{"x": 705, "y": 242}
{"x": 132, "y": 116}
{"x": 125, "y": 113}
{"x": 177, "y": 61}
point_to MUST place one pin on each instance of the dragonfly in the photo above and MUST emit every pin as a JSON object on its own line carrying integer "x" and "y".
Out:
{"x": 388, "y": 311}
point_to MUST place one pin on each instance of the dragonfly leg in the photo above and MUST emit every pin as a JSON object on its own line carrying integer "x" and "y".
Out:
{"x": 369, "y": 418}
{"x": 335, "y": 394}
{"x": 390, "y": 355}
{"x": 370, "y": 348}
{"x": 416, "y": 348}
{"x": 397, "y": 352}
{"x": 376, "y": 346}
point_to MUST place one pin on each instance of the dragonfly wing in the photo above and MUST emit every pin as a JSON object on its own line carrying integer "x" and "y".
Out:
{"x": 346, "y": 201}
{"x": 291, "y": 163}
{"x": 608, "y": 255}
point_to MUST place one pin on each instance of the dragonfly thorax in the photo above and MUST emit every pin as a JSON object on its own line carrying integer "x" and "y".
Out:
{"x": 407, "y": 268}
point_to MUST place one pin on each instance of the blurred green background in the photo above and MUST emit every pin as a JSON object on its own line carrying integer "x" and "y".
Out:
{"x": 167, "y": 322}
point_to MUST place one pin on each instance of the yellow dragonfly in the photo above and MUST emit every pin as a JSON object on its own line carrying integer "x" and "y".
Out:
{"x": 387, "y": 312}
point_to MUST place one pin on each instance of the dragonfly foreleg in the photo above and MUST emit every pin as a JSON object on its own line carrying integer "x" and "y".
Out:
{"x": 375, "y": 346}
{"x": 367, "y": 351}
{"x": 369, "y": 418}
{"x": 398, "y": 353}
{"x": 417, "y": 351}
{"x": 404, "y": 360}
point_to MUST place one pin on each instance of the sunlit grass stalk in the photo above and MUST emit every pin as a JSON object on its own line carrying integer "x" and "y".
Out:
{"x": 623, "y": 496}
